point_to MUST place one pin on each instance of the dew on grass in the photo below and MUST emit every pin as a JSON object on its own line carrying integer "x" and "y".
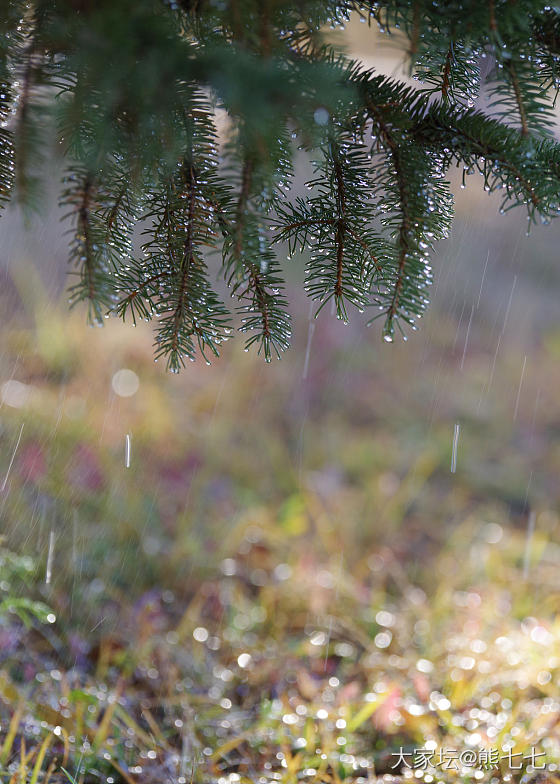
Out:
{"x": 383, "y": 639}
{"x": 200, "y": 634}
{"x": 244, "y": 660}
{"x": 318, "y": 639}
{"x": 384, "y": 618}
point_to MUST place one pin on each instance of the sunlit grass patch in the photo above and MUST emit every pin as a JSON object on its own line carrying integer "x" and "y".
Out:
{"x": 286, "y": 583}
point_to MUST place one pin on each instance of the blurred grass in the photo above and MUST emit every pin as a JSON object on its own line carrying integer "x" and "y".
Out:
{"x": 287, "y": 583}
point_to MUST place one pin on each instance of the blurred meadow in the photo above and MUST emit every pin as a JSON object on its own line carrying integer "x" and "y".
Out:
{"x": 257, "y": 573}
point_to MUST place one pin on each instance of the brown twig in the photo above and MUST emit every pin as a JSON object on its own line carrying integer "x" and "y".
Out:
{"x": 340, "y": 223}
{"x": 445, "y": 84}
{"x": 518, "y": 100}
{"x": 186, "y": 259}
{"x": 403, "y": 200}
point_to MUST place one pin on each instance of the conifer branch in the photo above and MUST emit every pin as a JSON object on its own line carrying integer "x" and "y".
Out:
{"x": 85, "y": 234}
{"x": 492, "y": 16}
{"x": 104, "y": 213}
{"x": 28, "y": 135}
{"x": 21, "y": 124}
{"x": 447, "y": 72}
{"x": 518, "y": 98}
{"x": 499, "y": 153}
{"x": 92, "y": 286}
{"x": 404, "y": 232}
{"x": 252, "y": 270}
{"x": 340, "y": 223}
{"x": 142, "y": 150}
{"x": 185, "y": 266}
{"x": 345, "y": 251}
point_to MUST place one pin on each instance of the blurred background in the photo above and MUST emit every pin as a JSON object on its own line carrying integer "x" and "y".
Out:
{"x": 220, "y": 547}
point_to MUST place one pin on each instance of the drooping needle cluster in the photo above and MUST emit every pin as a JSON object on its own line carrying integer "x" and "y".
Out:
{"x": 134, "y": 91}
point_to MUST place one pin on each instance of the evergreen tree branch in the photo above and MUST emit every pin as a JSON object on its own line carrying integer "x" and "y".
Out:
{"x": 252, "y": 270}
{"x": 103, "y": 212}
{"x": 446, "y": 80}
{"x": 451, "y": 72}
{"x": 185, "y": 267}
{"x": 527, "y": 172}
{"x": 12, "y": 32}
{"x": 512, "y": 73}
{"x": 517, "y": 91}
{"x": 340, "y": 223}
{"x": 416, "y": 203}
{"x": 335, "y": 224}
{"x": 406, "y": 216}
{"x": 92, "y": 285}
{"x": 171, "y": 282}
{"x": 29, "y": 118}
{"x": 142, "y": 149}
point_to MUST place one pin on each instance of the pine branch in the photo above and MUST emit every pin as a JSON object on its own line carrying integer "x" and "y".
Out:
{"x": 171, "y": 281}
{"x": 335, "y": 225}
{"x": 416, "y": 201}
{"x": 30, "y": 117}
{"x": 451, "y": 72}
{"x": 526, "y": 171}
{"x": 250, "y": 267}
{"x": 187, "y": 261}
{"x": 517, "y": 91}
{"x": 12, "y": 36}
{"x": 22, "y": 130}
{"x": 103, "y": 212}
{"x": 138, "y": 90}
{"x": 513, "y": 78}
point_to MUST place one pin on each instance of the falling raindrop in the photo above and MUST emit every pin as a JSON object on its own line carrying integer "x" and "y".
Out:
{"x": 127, "y": 447}
{"x": 311, "y": 330}
{"x": 456, "y": 430}
{"x": 482, "y": 281}
{"x": 327, "y": 644}
{"x": 50, "y": 558}
{"x": 509, "y": 302}
{"x": 5, "y": 482}
{"x": 519, "y": 389}
{"x": 528, "y": 542}
{"x": 467, "y": 337}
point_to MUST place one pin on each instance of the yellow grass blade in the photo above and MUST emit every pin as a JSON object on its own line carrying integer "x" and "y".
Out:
{"x": 22, "y": 763}
{"x": 365, "y": 712}
{"x": 12, "y": 730}
{"x": 40, "y": 758}
{"x": 129, "y": 721}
